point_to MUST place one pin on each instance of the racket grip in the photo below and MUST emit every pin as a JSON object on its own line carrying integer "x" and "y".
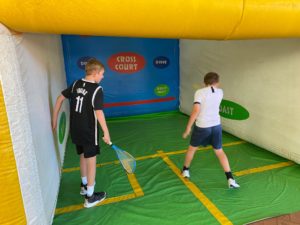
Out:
{"x": 110, "y": 143}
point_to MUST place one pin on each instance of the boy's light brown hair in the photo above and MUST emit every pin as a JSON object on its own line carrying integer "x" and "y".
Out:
{"x": 93, "y": 65}
{"x": 211, "y": 78}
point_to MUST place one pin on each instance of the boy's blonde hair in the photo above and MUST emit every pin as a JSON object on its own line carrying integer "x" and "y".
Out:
{"x": 93, "y": 65}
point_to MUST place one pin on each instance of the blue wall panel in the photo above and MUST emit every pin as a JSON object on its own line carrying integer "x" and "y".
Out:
{"x": 141, "y": 75}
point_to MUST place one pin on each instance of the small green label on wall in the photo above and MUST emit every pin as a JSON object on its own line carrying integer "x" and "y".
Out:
{"x": 62, "y": 127}
{"x": 162, "y": 90}
{"x": 233, "y": 111}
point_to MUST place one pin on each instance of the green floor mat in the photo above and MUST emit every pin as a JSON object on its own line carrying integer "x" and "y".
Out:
{"x": 164, "y": 198}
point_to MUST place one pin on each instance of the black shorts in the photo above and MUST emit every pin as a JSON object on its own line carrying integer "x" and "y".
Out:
{"x": 88, "y": 150}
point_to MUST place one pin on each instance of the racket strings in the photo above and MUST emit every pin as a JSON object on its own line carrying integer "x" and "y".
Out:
{"x": 127, "y": 160}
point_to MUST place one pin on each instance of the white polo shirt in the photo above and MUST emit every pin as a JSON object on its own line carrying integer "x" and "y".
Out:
{"x": 209, "y": 106}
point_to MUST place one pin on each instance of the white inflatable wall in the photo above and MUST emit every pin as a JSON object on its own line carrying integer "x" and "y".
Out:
{"x": 262, "y": 76}
{"x": 34, "y": 77}
{"x": 43, "y": 77}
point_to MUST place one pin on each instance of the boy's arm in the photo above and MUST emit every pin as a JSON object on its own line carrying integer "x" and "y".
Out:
{"x": 194, "y": 114}
{"x": 101, "y": 120}
{"x": 57, "y": 107}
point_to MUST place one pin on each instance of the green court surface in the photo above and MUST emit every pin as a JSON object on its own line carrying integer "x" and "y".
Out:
{"x": 156, "y": 193}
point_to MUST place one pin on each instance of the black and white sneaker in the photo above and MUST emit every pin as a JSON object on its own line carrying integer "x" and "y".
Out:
{"x": 93, "y": 200}
{"x": 232, "y": 183}
{"x": 186, "y": 173}
{"x": 83, "y": 189}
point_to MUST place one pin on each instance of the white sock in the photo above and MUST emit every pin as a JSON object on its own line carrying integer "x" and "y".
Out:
{"x": 84, "y": 180}
{"x": 90, "y": 190}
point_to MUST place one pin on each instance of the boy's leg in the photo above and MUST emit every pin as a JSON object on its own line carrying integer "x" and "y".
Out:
{"x": 91, "y": 170}
{"x": 83, "y": 167}
{"x": 92, "y": 198}
{"x": 200, "y": 136}
{"x": 188, "y": 159}
{"x": 216, "y": 141}
{"x": 223, "y": 159}
{"x": 83, "y": 172}
{"x": 226, "y": 167}
{"x": 89, "y": 162}
{"x": 189, "y": 156}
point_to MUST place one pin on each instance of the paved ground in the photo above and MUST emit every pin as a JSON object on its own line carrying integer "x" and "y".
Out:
{"x": 290, "y": 219}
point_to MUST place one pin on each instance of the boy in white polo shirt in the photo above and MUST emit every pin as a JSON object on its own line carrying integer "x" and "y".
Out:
{"x": 208, "y": 129}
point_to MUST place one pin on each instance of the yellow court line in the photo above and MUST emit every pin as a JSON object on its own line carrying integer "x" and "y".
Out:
{"x": 138, "y": 192}
{"x": 263, "y": 168}
{"x": 67, "y": 170}
{"x": 105, "y": 202}
{"x": 234, "y": 143}
{"x": 197, "y": 192}
{"x": 206, "y": 148}
{"x": 135, "y": 185}
{"x": 146, "y": 157}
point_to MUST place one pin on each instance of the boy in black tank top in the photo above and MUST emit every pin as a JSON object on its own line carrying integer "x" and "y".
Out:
{"x": 86, "y": 105}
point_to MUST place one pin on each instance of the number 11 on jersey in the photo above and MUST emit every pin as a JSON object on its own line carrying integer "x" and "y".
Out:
{"x": 79, "y": 101}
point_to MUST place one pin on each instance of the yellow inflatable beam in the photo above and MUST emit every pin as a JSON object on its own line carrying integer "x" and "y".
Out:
{"x": 11, "y": 205}
{"x": 198, "y": 19}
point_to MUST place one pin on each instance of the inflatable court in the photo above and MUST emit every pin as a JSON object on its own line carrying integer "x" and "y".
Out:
{"x": 155, "y": 54}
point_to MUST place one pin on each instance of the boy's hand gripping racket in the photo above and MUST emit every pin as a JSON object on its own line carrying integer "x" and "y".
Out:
{"x": 128, "y": 161}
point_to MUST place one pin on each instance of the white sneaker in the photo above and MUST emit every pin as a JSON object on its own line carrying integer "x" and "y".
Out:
{"x": 186, "y": 173}
{"x": 232, "y": 183}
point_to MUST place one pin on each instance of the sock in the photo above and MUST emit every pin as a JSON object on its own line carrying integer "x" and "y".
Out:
{"x": 229, "y": 175}
{"x": 185, "y": 168}
{"x": 90, "y": 190}
{"x": 84, "y": 180}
